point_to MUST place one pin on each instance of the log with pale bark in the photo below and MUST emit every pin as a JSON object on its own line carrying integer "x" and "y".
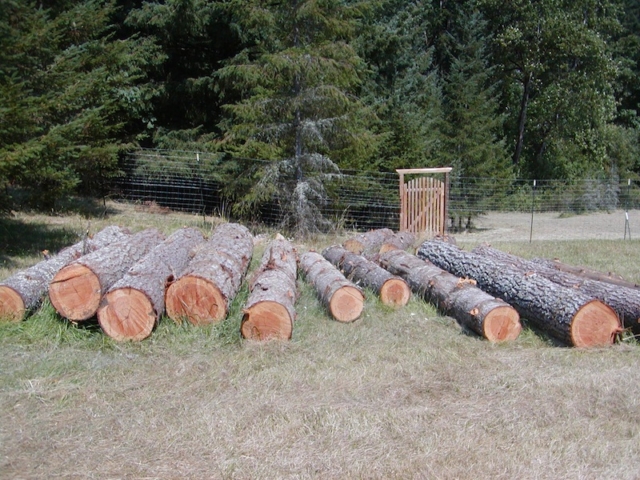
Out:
{"x": 625, "y": 301}
{"x": 343, "y": 299}
{"x": 591, "y": 274}
{"x": 76, "y": 290}
{"x": 392, "y": 289}
{"x": 398, "y": 241}
{"x": 213, "y": 277}
{"x": 269, "y": 312}
{"x": 564, "y": 313}
{"x": 133, "y": 305}
{"x": 490, "y": 317}
{"x": 24, "y": 290}
{"x": 369, "y": 241}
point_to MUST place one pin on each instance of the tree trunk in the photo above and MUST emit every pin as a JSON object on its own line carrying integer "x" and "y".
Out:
{"x": 584, "y": 272}
{"x": 133, "y": 305}
{"x": 398, "y": 241}
{"x": 564, "y": 313}
{"x": 269, "y": 311}
{"x": 206, "y": 288}
{"x": 392, "y": 290}
{"x": 342, "y": 298}
{"x": 370, "y": 241}
{"x": 76, "y": 290}
{"x": 625, "y": 301}
{"x": 522, "y": 118}
{"x": 474, "y": 309}
{"x": 23, "y": 290}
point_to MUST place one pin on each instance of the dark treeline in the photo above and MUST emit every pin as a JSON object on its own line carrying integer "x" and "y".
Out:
{"x": 525, "y": 88}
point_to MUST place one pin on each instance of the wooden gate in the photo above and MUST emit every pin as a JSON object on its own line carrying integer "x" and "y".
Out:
{"x": 423, "y": 201}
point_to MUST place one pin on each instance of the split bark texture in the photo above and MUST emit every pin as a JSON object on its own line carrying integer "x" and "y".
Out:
{"x": 133, "y": 305}
{"x": 343, "y": 299}
{"x": 213, "y": 277}
{"x": 24, "y": 290}
{"x": 370, "y": 241}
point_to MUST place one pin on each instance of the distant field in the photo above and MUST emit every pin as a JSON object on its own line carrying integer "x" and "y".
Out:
{"x": 397, "y": 394}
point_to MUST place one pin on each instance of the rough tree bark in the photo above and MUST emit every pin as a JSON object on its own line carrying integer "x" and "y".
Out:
{"x": 205, "y": 289}
{"x": 399, "y": 241}
{"x": 133, "y": 305}
{"x": 76, "y": 290}
{"x": 343, "y": 299}
{"x": 490, "y": 317}
{"x": 269, "y": 311}
{"x": 584, "y": 272}
{"x": 392, "y": 290}
{"x": 370, "y": 241}
{"x": 564, "y": 313}
{"x": 24, "y": 290}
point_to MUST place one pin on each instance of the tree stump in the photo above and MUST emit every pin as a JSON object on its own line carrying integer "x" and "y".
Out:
{"x": 370, "y": 241}
{"x": 342, "y": 298}
{"x": 393, "y": 290}
{"x": 76, "y": 290}
{"x": 213, "y": 277}
{"x": 564, "y": 313}
{"x": 269, "y": 311}
{"x": 133, "y": 305}
{"x": 24, "y": 290}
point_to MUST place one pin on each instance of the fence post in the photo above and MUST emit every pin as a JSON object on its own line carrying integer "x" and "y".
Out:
{"x": 627, "y": 227}
{"x": 533, "y": 202}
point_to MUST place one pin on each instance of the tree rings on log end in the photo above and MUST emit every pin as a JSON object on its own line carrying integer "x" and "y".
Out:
{"x": 395, "y": 292}
{"x": 353, "y": 246}
{"x": 266, "y": 320}
{"x": 126, "y": 314}
{"x": 595, "y": 325}
{"x": 502, "y": 324}
{"x": 12, "y": 307}
{"x": 346, "y": 304}
{"x": 75, "y": 292}
{"x": 195, "y": 299}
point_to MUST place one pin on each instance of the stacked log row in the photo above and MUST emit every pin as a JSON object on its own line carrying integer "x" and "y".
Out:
{"x": 204, "y": 291}
{"x": 76, "y": 290}
{"x": 342, "y": 298}
{"x": 24, "y": 290}
{"x": 564, "y": 313}
{"x": 392, "y": 290}
{"x": 475, "y": 309}
{"x": 269, "y": 312}
{"x": 370, "y": 241}
{"x": 398, "y": 241}
{"x": 625, "y": 301}
{"x": 133, "y": 305}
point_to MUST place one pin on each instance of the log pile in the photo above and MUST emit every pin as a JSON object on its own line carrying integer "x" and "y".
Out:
{"x": 398, "y": 241}
{"x": 370, "y": 241}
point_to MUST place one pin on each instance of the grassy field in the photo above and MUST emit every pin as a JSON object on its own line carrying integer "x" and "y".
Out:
{"x": 397, "y": 394}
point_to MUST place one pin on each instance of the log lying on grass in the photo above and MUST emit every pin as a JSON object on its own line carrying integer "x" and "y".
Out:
{"x": 370, "y": 241}
{"x": 213, "y": 277}
{"x": 24, "y": 290}
{"x": 76, "y": 290}
{"x": 133, "y": 305}
{"x": 584, "y": 272}
{"x": 564, "y": 313}
{"x": 392, "y": 290}
{"x": 398, "y": 241}
{"x": 625, "y": 301}
{"x": 269, "y": 311}
{"x": 342, "y": 298}
{"x": 490, "y": 317}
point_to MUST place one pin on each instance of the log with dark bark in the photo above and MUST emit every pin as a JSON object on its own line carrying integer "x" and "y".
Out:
{"x": 343, "y": 299}
{"x": 564, "y": 313}
{"x": 370, "y": 241}
{"x": 133, "y": 305}
{"x": 24, "y": 290}
{"x": 584, "y": 272}
{"x": 205, "y": 289}
{"x": 269, "y": 312}
{"x": 76, "y": 290}
{"x": 625, "y": 301}
{"x": 392, "y": 290}
{"x": 473, "y": 308}
{"x": 398, "y": 241}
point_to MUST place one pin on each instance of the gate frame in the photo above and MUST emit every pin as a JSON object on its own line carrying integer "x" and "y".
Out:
{"x": 408, "y": 171}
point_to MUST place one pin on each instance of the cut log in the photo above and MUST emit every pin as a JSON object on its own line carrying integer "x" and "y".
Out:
{"x": 625, "y": 301}
{"x": 343, "y": 299}
{"x": 24, "y": 290}
{"x": 398, "y": 241}
{"x": 584, "y": 272}
{"x": 269, "y": 311}
{"x": 490, "y": 317}
{"x": 564, "y": 313}
{"x": 76, "y": 290}
{"x": 370, "y": 241}
{"x": 204, "y": 291}
{"x": 133, "y": 305}
{"x": 392, "y": 290}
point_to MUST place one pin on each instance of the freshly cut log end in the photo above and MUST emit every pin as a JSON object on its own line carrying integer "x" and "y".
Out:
{"x": 195, "y": 299}
{"x": 12, "y": 307}
{"x": 266, "y": 320}
{"x": 395, "y": 292}
{"x": 594, "y": 325}
{"x": 347, "y": 304}
{"x": 502, "y": 324}
{"x": 127, "y": 314}
{"x": 75, "y": 292}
